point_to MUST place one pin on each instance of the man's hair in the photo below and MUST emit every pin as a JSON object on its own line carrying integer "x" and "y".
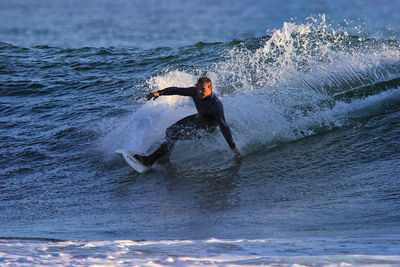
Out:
{"x": 204, "y": 80}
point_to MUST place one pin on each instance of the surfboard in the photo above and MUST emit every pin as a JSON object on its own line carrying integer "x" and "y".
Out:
{"x": 128, "y": 157}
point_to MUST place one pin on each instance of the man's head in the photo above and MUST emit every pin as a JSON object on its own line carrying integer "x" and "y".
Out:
{"x": 204, "y": 87}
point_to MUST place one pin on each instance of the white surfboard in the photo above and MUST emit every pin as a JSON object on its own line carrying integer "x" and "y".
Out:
{"x": 128, "y": 157}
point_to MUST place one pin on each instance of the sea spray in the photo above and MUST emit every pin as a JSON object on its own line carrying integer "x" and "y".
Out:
{"x": 300, "y": 69}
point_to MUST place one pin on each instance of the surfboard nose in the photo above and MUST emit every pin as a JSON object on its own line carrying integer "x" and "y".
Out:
{"x": 129, "y": 158}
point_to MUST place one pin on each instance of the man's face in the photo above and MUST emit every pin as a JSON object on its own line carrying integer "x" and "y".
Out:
{"x": 204, "y": 90}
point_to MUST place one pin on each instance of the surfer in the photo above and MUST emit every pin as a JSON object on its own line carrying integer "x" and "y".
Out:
{"x": 210, "y": 114}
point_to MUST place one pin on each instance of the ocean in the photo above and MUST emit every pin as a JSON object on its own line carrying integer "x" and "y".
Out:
{"x": 311, "y": 92}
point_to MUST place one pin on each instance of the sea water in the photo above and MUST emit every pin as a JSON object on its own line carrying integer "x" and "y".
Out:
{"x": 311, "y": 92}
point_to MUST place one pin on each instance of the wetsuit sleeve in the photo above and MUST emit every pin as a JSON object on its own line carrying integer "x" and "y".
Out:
{"x": 226, "y": 132}
{"x": 189, "y": 91}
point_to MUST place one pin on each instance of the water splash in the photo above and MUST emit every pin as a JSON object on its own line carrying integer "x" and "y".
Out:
{"x": 290, "y": 84}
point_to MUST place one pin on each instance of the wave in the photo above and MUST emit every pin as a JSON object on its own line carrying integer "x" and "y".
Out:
{"x": 277, "y": 88}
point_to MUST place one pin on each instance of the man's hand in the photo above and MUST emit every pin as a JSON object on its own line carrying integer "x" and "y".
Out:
{"x": 237, "y": 152}
{"x": 153, "y": 95}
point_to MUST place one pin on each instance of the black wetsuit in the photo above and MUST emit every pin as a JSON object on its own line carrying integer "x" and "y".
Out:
{"x": 210, "y": 114}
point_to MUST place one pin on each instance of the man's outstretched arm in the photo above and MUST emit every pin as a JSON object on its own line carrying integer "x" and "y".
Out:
{"x": 189, "y": 91}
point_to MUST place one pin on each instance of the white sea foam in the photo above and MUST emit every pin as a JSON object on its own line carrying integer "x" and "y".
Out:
{"x": 368, "y": 106}
{"x": 294, "y": 252}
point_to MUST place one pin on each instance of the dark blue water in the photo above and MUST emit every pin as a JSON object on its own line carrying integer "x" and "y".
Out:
{"x": 312, "y": 95}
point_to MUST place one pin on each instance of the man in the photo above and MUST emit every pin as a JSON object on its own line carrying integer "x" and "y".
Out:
{"x": 210, "y": 114}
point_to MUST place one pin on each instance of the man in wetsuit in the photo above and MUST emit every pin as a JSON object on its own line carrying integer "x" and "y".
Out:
{"x": 210, "y": 114}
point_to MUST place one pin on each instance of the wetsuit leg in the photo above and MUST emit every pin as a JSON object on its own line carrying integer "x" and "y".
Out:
{"x": 185, "y": 129}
